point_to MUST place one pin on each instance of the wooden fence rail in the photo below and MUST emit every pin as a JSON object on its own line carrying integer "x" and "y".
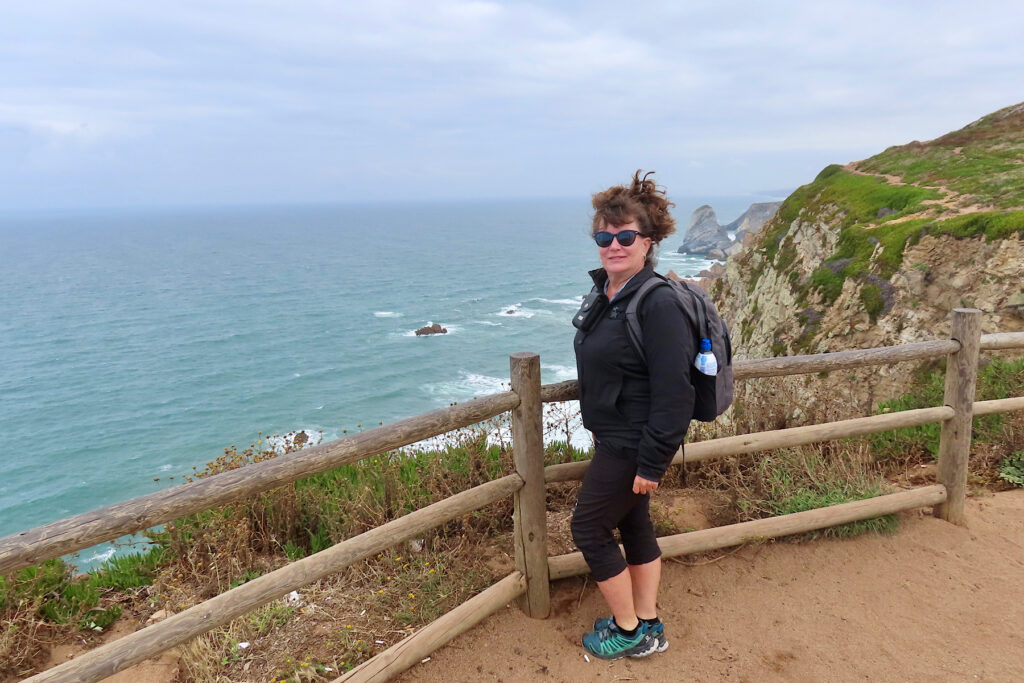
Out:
{"x": 104, "y": 524}
{"x": 105, "y": 661}
{"x": 527, "y": 486}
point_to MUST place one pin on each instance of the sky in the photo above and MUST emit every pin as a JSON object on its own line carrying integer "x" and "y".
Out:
{"x": 111, "y": 103}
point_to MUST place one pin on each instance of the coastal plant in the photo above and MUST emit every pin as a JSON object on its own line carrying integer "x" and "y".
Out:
{"x": 999, "y": 378}
{"x": 50, "y": 600}
{"x": 794, "y": 480}
{"x": 1012, "y": 469}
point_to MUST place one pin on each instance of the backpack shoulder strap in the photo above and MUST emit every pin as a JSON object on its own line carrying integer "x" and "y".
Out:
{"x": 700, "y": 310}
{"x": 633, "y": 329}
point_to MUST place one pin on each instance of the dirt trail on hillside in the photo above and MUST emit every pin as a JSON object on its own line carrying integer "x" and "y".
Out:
{"x": 932, "y": 602}
{"x": 952, "y": 203}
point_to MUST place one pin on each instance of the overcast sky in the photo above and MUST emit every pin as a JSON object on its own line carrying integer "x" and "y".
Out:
{"x": 197, "y": 102}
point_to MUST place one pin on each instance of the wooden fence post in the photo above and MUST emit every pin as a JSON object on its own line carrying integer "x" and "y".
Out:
{"x": 531, "y": 535}
{"x": 955, "y": 437}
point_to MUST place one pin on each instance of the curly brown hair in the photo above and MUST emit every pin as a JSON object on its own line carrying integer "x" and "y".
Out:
{"x": 643, "y": 201}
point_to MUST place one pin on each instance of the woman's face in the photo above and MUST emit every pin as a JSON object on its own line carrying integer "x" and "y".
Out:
{"x": 624, "y": 262}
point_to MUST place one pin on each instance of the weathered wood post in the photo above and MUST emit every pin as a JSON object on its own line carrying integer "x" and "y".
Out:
{"x": 531, "y": 535}
{"x": 955, "y": 437}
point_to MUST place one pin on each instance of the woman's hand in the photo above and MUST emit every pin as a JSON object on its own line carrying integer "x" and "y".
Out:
{"x": 642, "y": 486}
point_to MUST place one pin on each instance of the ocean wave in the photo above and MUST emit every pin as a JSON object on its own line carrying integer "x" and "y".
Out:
{"x": 516, "y": 310}
{"x": 467, "y": 386}
{"x": 279, "y": 443}
{"x": 561, "y": 421}
{"x": 386, "y": 314}
{"x": 490, "y": 323}
{"x": 561, "y": 372}
{"x": 100, "y": 557}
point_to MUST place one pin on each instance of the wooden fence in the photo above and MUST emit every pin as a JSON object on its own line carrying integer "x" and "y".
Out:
{"x": 530, "y": 581}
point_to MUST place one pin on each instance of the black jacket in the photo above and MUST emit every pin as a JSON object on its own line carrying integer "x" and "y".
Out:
{"x": 629, "y": 404}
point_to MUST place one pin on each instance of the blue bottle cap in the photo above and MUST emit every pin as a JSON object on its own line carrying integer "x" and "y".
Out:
{"x": 705, "y": 345}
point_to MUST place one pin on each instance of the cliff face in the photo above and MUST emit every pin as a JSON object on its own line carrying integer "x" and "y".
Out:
{"x": 753, "y": 219}
{"x": 704, "y": 233}
{"x": 880, "y": 251}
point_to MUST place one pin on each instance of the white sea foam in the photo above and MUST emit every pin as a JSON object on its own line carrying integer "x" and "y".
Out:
{"x": 559, "y": 420}
{"x": 386, "y": 314}
{"x": 166, "y": 468}
{"x": 100, "y": 557}
{"x": 516, "y": 310}
{"x": 280, "y": 442}
{"x": 570, "y": 303}
{"x": 490, "y": 323}
{"x": 561, "y": 372}
{"x": 467, "y": 386}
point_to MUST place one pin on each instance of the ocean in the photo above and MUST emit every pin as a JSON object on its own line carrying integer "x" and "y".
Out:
{"x": 136, "y": 344}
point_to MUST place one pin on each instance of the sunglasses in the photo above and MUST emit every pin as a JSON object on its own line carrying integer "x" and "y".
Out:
{"x": 625, "y": 238}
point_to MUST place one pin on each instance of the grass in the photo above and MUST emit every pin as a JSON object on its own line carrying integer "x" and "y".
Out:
{"x": 42, "y": 602}
{"x": 981, "y": 160}
{"x": 337, "y": 623}
{"x": 999, "y": 378}
{"x": 795, "y": 480}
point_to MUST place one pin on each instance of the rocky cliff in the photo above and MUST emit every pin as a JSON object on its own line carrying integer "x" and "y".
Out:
{"x": 880, "y": 251}
{"x": 752, "y": 219}
{"x": 704, "y": 233}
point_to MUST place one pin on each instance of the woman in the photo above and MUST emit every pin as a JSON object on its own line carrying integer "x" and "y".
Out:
{"x": 637, "y": 411}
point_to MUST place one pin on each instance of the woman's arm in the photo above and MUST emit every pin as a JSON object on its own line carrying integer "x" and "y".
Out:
{"x": 670, "y": 348}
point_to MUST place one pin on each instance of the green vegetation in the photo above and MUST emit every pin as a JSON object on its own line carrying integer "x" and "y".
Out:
{"x": 49, "y": 597}
{"x": 981, "y": 160}
{"x": 871, "y": 298}
{"x": 998, "y": 379}
{"x": 799, "y": 479}
{"x": 1012, "y": 469}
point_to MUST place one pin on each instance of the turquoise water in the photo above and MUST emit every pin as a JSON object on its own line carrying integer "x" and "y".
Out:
{"x": 138, "y": 344}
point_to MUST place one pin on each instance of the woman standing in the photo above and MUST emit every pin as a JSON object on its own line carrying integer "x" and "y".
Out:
{"x": 638, "y": 409}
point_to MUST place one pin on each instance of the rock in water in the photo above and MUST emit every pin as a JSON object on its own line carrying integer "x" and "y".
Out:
{"x": 431, "y": 329}
{"x": 704, "y": 233}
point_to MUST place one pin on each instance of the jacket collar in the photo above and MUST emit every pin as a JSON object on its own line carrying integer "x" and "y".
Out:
{"x": 599, "y": 276}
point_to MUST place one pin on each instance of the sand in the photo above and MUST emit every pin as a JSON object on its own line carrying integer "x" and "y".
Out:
{"x": 933, "y": 602}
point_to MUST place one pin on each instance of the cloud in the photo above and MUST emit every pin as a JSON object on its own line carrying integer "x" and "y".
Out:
{"x": 274, "y": 100}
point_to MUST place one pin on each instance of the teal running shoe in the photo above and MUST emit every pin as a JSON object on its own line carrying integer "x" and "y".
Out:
{"x": 656, "y": 632}
{"x": 611, "y": 643}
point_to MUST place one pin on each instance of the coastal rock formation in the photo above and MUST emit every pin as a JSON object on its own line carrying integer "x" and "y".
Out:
{"x": 704, "y": 233}
{"x": 753, "y": 219}
{"x": 431, "y": 329}
{"x": 831, "y": 271}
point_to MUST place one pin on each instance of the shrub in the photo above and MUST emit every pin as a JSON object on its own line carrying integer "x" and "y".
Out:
{"x": 1012, "y": 469}
{"x": 871, "y": 297}
{"x": 997, "y": 379}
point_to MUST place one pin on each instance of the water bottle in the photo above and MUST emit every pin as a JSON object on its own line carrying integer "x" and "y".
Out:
{"x": 706, "y": 362}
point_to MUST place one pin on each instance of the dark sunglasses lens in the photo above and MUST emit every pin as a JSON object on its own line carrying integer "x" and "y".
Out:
{"x": 626, "y": 237}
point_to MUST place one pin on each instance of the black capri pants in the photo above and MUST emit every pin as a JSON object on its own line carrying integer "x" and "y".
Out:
{"x": 606, "y": 501}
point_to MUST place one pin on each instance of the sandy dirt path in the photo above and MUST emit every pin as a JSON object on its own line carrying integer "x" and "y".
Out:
{"x": 934, "y": 602}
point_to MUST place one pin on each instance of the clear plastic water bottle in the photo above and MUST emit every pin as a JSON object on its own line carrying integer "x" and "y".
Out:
{"x": 706, "y": 362}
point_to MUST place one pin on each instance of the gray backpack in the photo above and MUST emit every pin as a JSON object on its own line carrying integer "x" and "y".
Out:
{"x": 713, "y": 393}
